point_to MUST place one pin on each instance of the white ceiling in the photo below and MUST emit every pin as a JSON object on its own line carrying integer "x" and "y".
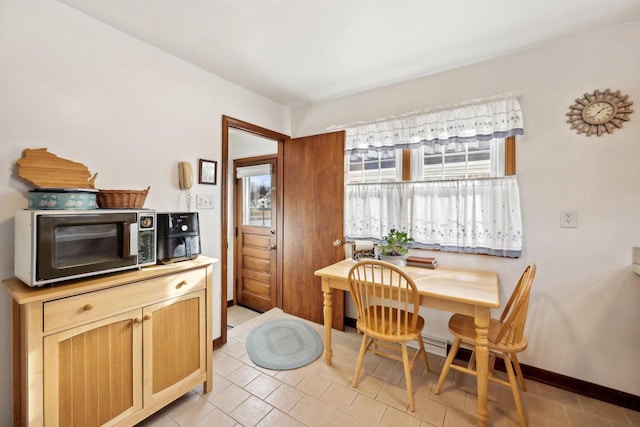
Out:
{"x": 302, "y": 51}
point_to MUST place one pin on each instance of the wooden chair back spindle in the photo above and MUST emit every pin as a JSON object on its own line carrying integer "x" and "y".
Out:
{"x": 378, "y": 284}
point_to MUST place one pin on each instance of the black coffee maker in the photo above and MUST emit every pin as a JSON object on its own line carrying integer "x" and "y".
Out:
{"x": 178, "y": 236}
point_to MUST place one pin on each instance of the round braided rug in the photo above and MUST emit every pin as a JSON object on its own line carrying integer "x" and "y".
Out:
{"x": 283, "y": 344}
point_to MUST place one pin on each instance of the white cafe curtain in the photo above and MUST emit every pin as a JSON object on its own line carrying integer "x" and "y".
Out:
{"x": 479, "y": 216}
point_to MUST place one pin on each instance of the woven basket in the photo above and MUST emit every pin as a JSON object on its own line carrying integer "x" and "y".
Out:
{"x": 122, "y": 198}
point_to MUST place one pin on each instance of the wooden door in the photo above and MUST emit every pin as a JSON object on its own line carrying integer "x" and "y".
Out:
{"x": 313, "y": 222}
{"x": 92, "y": 373}
{"x": 256, "y": 235}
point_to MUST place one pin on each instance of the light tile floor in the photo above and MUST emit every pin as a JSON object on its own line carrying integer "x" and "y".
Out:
{"x": 320, "y": 395}
{"x": 238, "y": 315}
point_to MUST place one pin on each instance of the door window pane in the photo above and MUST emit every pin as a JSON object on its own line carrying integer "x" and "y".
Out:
{"x": 256, "y": 194}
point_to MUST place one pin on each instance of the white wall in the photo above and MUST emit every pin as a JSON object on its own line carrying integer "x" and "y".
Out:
{"x": 584, "y": 317}
{"x": 128, "y": 111}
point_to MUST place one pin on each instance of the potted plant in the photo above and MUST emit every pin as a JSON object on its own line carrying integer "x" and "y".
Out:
{"x": 395, "y": 246}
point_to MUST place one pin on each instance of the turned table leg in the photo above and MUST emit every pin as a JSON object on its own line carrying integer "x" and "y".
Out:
{"x": 328, "y": 316}
{"x": 482, "y": 363}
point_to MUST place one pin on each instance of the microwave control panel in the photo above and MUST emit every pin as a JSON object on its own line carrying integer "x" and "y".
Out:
{"x": 147, "y": 238}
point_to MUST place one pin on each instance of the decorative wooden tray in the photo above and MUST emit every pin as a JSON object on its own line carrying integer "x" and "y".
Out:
{"x": 47, "y": 170}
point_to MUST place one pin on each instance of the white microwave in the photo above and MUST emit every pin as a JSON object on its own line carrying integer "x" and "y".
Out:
{"x": 57, "y": 245}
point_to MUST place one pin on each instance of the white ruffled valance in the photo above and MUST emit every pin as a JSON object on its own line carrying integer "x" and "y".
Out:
{"x": 481, "y": 120}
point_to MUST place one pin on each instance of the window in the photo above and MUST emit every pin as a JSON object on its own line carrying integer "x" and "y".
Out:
{"x": 256, "y": 193}
{"x": 477, "y": 160}
{"x": 374, "y": 166}
{"x": 437, "y": 176}
{"x": 256, "y": 200}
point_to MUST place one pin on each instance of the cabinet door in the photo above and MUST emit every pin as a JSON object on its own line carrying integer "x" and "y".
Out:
{"x": 174, "y": 336}
{"x": 92, "y": 372}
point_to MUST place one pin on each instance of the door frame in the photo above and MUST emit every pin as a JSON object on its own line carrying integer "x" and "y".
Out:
{"x": 231, "y": 123}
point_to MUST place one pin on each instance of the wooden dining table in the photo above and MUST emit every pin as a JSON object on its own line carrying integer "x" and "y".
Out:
{"x": 452, "y": 289}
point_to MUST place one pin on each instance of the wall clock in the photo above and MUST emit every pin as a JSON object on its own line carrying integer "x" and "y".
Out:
{"x": 598, "y": 113}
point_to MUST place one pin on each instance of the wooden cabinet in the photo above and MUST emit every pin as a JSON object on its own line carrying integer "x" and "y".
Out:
{"x": 114, "y": 349}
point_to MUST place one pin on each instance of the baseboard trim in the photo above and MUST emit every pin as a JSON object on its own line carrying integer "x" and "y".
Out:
{"x": 584, "y": 388}
{"x": 217, "y": 343}
{"x": 348, "y": 321}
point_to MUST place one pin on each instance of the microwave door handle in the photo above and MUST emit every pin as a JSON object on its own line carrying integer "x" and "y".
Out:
{"x": 130, "y": 240}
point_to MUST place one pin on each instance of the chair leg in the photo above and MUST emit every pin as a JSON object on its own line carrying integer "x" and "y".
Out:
{"x": 515, "y": 390}
{"x": 472, "y": 360}
{"x": 407, "y": 376}
{"x": 516, "y": 364}
{"x": 492, "y": 362}
{"x": 363, "y": 350}
{"x": 447, "y": 364}
{"x": 424, "y": 353}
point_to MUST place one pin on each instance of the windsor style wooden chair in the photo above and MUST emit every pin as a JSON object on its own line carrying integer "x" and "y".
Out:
{"x": 506, "y": 339}
{"x": 387, "y": 302}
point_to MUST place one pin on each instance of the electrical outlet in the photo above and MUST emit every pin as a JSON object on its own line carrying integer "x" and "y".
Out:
{"x": 568, "y": 218}
{"x": 204, "y": 201}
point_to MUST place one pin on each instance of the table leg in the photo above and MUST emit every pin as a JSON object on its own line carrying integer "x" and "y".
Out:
{"x": 481, "y": 320}
{"x": 328, "y": 317}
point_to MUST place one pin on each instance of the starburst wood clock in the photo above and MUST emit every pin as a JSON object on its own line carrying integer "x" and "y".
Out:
{"x": 599, "y": 113}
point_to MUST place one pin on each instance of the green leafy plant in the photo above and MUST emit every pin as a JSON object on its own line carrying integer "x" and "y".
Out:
{"x": 396, "y": 243}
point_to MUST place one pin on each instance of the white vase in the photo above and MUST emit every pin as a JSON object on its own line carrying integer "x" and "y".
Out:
{"x": 393, "y": 259}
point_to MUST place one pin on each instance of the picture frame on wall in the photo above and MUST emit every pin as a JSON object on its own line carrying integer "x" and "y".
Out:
{"x": 208, "y": 172}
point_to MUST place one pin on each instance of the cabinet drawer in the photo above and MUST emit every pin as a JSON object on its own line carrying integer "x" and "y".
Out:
{"x": 91, "y": 306}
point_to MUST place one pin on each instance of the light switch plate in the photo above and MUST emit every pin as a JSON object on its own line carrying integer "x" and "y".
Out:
{"x": 204, "y": 201}
{"x": 568, "y": 218}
